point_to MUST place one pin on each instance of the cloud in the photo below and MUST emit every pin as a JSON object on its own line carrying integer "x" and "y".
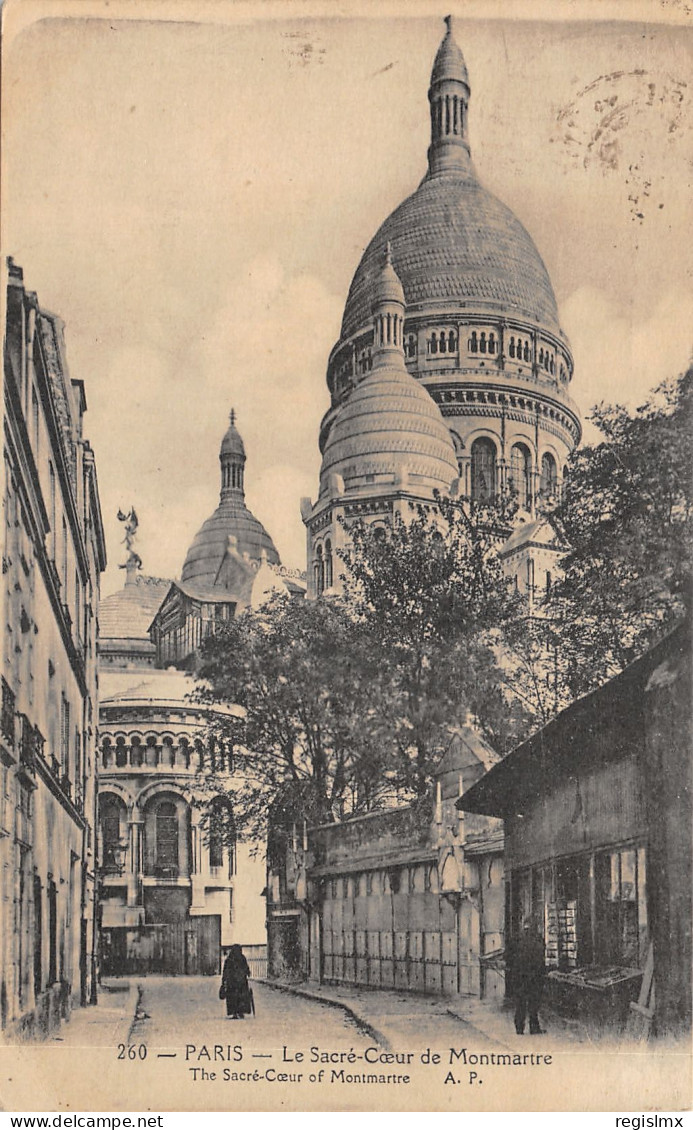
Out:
{"x": 621, "y": 358}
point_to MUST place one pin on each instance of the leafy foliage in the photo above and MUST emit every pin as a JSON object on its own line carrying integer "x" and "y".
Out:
{"x": 626, "y": 515}
{"x": 428, "y": 593}
{"x": 307, "y": 682}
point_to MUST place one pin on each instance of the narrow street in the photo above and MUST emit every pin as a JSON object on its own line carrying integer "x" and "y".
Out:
{"x": 186, "y": 1010}
{"x": 295, "y": 1049}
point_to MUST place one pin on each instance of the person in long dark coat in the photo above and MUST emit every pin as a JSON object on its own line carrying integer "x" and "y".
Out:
{"x": 528, "y": 971}
{"x": 234, "y": 979}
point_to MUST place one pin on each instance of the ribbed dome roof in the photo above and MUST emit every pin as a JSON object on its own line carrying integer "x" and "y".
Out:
{"x": 208, "y": 550}
{"x": 390, "y": 424}
{"x": 454, "y": 243}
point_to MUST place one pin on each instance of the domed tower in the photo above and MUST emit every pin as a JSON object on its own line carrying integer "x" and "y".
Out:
{"x": 388, "y": 444}
{"x": 231, "y": 565}
{"x": 231, "y": 526}
{"x": 481, "y": 331}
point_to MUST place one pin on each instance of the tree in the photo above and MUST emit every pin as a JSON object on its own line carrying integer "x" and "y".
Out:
{"x": 429, "y": 593}
{"x": 626, "y": 514}
{"x": 308, "y": 684}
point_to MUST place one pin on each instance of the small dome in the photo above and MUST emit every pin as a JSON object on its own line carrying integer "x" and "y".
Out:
{"x": 232, "y": 444}
{"x": 388, "y": 426}
{"x": 449, "y": 62}
{"x": 231, "y": 526}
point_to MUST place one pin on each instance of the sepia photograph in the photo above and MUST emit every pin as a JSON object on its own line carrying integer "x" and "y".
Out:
{"x": 347, "y": 549}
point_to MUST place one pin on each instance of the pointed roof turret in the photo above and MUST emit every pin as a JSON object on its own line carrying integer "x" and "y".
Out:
{"x": 387, "y": 288}
{"x": 449, "y": 97}
{"x": 232, "y": 459}
{"x": 388, "y": 313}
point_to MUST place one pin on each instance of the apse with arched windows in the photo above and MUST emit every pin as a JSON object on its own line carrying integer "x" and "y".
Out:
{"x": 167, "y": 850}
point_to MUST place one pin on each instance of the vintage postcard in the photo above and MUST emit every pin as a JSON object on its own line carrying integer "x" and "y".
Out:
{"x": 346, "y": 662}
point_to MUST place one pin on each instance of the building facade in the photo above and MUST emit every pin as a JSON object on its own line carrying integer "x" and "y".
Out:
{"x": 597, "y": 816}
{"x": 179, "y": 885}
{"x": 480, "y": 333}
{"x": 53, "y": 554}
{"x": 408, "y": 898}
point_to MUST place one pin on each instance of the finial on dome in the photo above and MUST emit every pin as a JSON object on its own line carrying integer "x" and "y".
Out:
{"x": 232, "y": 417}
{"x": 448, "y": 24}
{"x": 388, "y": 287}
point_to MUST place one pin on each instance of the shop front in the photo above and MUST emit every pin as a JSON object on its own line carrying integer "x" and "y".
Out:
{"x": 597, "y": 815}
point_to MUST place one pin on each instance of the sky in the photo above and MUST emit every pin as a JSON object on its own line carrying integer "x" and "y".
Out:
{"x": 192, "y": 196}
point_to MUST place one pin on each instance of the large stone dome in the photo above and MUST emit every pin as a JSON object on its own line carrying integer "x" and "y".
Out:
{"x": 455, "y": 246}
{"x": 389, "y": 427}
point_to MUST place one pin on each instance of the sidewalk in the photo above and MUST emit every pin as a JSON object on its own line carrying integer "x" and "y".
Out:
{"x": 386, "y": 1014}
{"x": 105, "y": 1024}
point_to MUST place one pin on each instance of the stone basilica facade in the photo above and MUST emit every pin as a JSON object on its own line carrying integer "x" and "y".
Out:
{"x": 450, "y": 320}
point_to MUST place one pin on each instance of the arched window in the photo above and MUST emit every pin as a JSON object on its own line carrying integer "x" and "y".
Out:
{"x": 222, "y": 834}
{"x": 434, "y": 343}
{"x": 541, "y": 356}
{"x": 530, "y": 575}
{"x": 166, "y": 837}
{"x": 482, "y": 343}
{"x": 483, "y": 470}
{"x": 473, "y": 344}
{"x": 319, "y": 571}
{"x": 168, "y": 754}
{"x": 328, "y": 564}
{"x": 511, "y": 347}
{"x": 526, "y": 352}
{"x": 452, "y": 342}
{"x": 492, "y": 343}
{"x": 121, "y": 753}
{"x": 549, "y": 474}
{"x": 110, "y": 809}
{"x": 520, "y": 474}
{"x": 443, "y": 343}
{"x": 411, "y": 346}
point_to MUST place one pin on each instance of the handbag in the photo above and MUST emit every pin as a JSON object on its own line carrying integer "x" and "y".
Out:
{"x": 222, "y": 992}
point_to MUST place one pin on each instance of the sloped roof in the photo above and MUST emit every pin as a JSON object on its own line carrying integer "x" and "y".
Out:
{"x": 127, "y": 614}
